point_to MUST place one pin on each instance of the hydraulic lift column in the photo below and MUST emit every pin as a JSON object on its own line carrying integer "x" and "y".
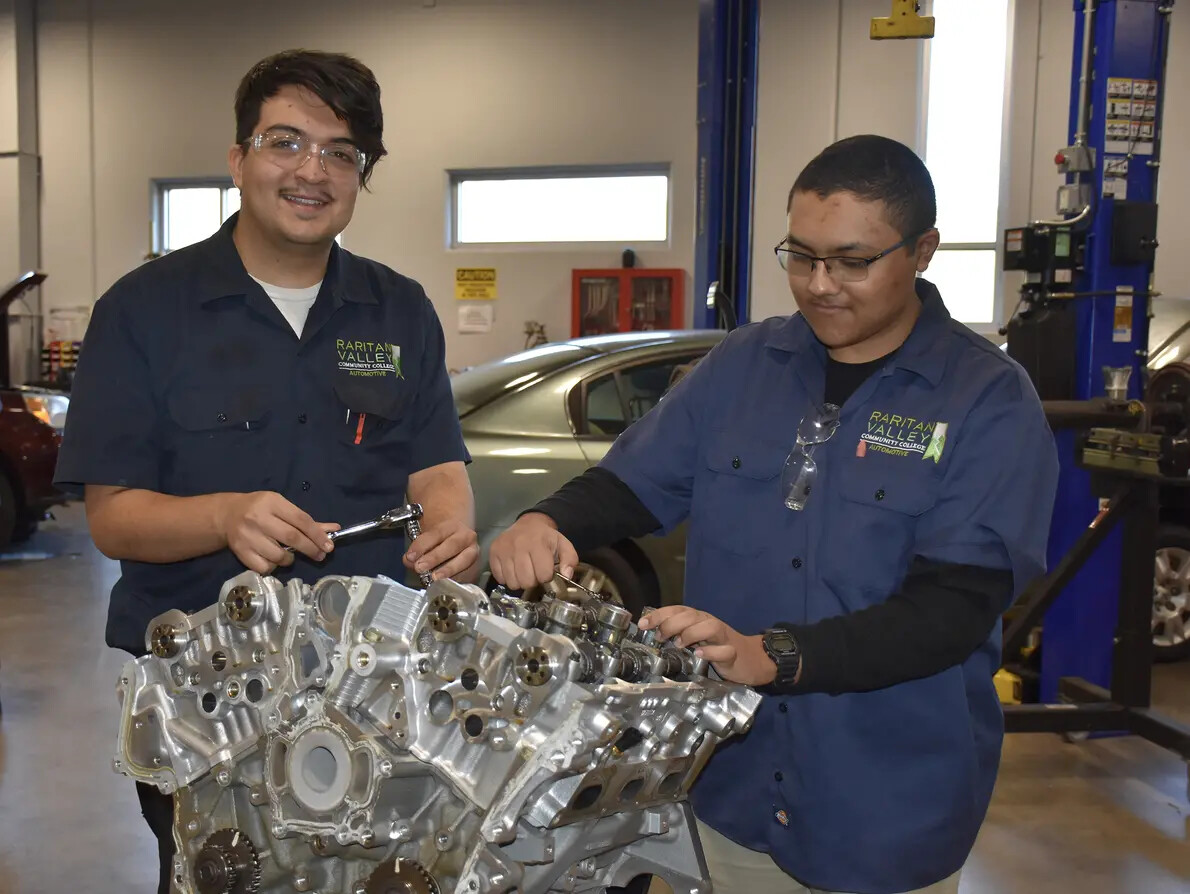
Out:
{"x": 1083, "y": 326}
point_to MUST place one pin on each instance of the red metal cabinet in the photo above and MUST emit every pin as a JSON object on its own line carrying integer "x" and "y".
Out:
{"x": 628, "y": 299}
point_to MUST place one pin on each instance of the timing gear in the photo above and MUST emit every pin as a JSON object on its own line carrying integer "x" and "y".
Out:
{"x": 401, "y": 877}
{"x": 227, "y": 864}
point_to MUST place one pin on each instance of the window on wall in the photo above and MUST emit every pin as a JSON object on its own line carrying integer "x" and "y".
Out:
{"x": 538, "y": 205}
{"x": 964, "y": 149}
{"x": 186, "y": 212}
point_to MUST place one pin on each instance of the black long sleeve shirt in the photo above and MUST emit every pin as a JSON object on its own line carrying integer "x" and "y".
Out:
{"x": 938, "y": 617}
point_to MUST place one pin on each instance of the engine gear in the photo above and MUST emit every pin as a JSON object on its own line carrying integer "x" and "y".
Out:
{"x": 227, "y": 864}
{"x": 401, "y": 877}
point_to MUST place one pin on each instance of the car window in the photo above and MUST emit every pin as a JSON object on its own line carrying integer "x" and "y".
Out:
{"x": 645, "y": 385}
{"x": 479, "y": 385}
{"x": 605, "y": 412}
{"x": 616, "y": 400}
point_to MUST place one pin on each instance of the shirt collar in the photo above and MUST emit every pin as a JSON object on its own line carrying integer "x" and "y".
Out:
{"x": 227, "y": 277}
{"x": 794, "y": 335}
{"x": 921, "y": 352}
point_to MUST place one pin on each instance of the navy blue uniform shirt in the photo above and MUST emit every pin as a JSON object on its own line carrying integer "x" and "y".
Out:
{"x": 191, "y": 382}
{"x": 944, "y": 453}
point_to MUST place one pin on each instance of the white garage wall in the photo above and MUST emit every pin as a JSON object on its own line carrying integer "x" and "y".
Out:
{"x": 821, "y": 78}
{"x": 811, "y": 95}
{"x": 136, "y": 89}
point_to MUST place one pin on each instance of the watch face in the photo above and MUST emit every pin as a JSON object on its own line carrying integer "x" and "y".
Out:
{"x": 781, "y": 642}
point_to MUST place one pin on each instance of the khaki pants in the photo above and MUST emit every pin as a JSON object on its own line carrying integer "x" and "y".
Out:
{"x": 738, "y": 870}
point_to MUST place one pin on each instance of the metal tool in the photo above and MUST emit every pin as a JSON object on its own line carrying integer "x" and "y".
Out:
{"x": 560, "y": 576}
{"x": 400, "y": 517}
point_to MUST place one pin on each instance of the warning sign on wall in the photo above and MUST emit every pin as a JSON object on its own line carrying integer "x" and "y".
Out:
{"x": 475, "y": 283}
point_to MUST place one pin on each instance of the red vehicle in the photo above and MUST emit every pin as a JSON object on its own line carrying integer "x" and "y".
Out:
{"x": 31, "y": 421}
{"x": 28, "y": 454}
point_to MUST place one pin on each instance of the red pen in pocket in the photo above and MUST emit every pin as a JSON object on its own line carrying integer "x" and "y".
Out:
{"x": 359, "y": 428}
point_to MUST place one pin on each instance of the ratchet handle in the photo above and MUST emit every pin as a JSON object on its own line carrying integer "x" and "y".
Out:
{"x": 404, "y": 516}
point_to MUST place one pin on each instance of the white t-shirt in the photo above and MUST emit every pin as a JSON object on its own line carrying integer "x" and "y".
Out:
{"x": 294, "y": 304}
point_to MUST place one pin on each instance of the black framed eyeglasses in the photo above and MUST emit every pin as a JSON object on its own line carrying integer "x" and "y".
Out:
{"x": 842, "y": 269}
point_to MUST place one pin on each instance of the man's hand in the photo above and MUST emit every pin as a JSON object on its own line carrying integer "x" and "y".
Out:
{"x": 258, "y": 526}
{"x": 526, "y": 553}
{"x": 739, "y": 658}
{"x": 447, "y": 545}
{"x": 448, "y": 549}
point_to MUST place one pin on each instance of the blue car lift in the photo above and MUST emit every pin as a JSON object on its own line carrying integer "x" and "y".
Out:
{"x": 1083, "y": 335}
{"x": 727, "y": 54}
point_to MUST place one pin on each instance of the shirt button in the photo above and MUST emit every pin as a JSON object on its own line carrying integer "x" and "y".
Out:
{"x": 302, "y": 419}
{"x": 778, "y": 776}
{"x": 783, "y": 708}
{"x": 222, "y": 417}
{"x": 880, "y": 494}
{"x": 305, "y": 485}
{"x": 797, "y": 563}
{"x": 735, "y": 462}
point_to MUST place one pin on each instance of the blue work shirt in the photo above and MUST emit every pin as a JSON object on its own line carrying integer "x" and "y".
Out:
{"x": 191, "y": 382}
{"x": 872, "y": 792}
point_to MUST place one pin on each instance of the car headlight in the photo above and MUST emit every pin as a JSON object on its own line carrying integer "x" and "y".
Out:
{"x": 49, "y": 408}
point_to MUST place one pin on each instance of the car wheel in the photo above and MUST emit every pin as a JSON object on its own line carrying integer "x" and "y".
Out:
{"x": 1171, "y": 594}
{"x": 25, "y": 527}
{"x": 8, "y": 511}
{"x": 607, "y": 572}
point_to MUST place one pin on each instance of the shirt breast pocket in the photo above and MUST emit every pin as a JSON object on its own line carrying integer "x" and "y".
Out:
{"x": 372, "y": 451}
{"x": 741, "y": 502}
{"x": 217, "y": 440}
{"x": 870, "y": 544}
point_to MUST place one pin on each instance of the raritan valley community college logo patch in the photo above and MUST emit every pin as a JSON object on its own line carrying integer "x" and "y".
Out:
{"x": 901, "y": 435}
{"x": 369, "y": 358}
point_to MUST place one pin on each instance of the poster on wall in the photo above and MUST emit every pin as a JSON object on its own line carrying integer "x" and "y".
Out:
{"x": 475, "y": 284}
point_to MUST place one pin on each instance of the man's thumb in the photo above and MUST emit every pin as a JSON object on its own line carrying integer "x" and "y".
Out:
{"x": 567, "y": 557}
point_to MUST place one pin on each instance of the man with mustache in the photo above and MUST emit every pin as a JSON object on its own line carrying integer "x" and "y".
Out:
{"x": 240, "y": 398}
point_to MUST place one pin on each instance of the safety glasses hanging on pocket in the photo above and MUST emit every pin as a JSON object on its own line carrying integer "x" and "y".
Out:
{"x": 801, "y": 472}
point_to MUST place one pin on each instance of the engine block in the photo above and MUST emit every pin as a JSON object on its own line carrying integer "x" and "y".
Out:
{"x": 360, "y": 737}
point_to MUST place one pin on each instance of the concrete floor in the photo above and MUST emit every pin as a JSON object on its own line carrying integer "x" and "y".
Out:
{"x": 1108, "y": 816}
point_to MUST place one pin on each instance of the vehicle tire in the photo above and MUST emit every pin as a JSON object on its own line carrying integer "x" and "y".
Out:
{"x": 609, "y": 573}
{"x": 25, "y": 527}
{"x": 8, "y": 511}
{"x": 1171, "y": 594}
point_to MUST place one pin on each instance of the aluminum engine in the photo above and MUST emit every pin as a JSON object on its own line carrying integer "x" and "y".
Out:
{"x": 361, "y": 737}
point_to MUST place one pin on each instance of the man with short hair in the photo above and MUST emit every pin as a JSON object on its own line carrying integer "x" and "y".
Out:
{"x": 868, "y": 485}
{"x": 238, "y": 399}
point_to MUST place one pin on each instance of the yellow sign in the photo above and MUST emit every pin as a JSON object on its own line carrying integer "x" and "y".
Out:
{"x": 475, "y": 283}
